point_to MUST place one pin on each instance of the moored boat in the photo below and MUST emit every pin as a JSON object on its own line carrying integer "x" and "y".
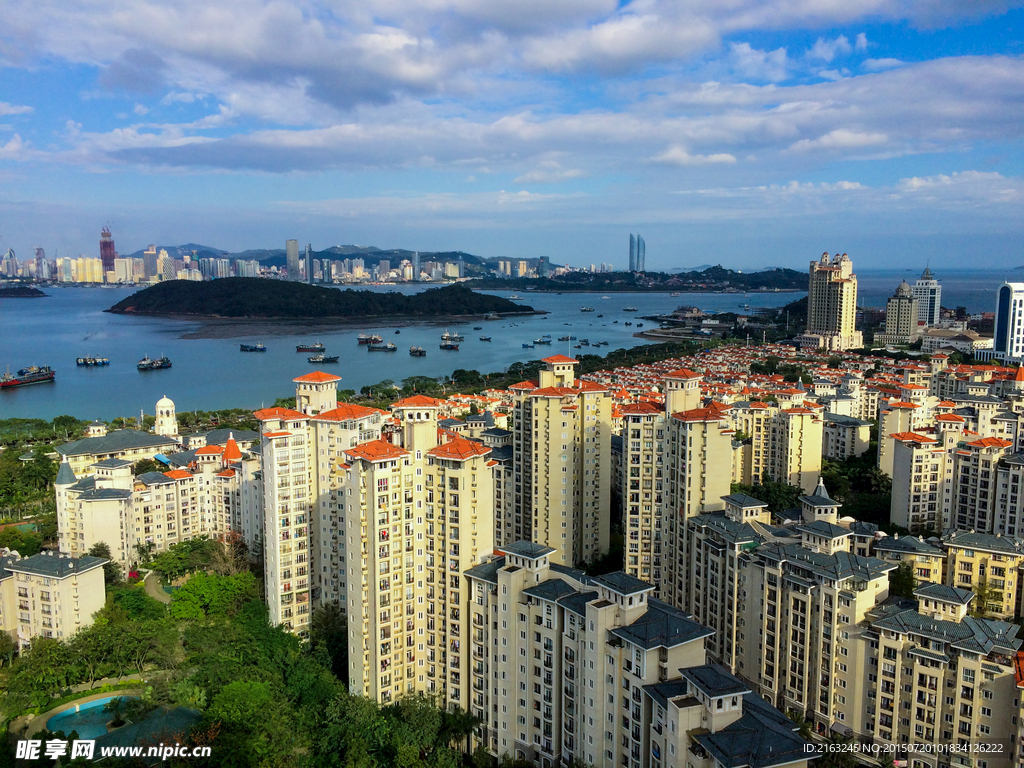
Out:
{"x": 146, "y": 364}
{"x": 322, "y": 358}
{"x": 586, "y": 309}
{"x": 417, "y": 352}
{"x": 451, "y": 345}
{"x": 318, "y": 347}
{"x": 389, "y": 347}
{"x": 252, "y": 347}
{"x": 92, "y": 361}
{"x": 485, "y": 338}
{"x": 34, "y": 374}
{"x": 453, "y": 337}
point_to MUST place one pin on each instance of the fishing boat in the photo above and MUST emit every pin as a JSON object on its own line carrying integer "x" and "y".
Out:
{"x": 252, "y": 347}
{"x": 542, "y": 341}
{"x": 146, "y": 364}
{"x": 564, "y": 338}
{"x": 92, "y": 361}
{"x": 606, "y": 297}
{"x": 485, "y": 338}
{"x": 389, "y": 347}
{"x": 514, "y": 296}
{"x": 587, "y": 309}
{"x": 318, "y": 347}
{"x": 322, "y": 358}
{"x": 478, "y": 327}
{"x": 450, "y": 345}
{"x": 453, "y": 337}
{"x": 629, "y": 309}
{"x": 674, "y": 293}
{"x": 492, "y": 316}
{"x": 527, "y": 346}
{"x": 417, "y": 352}
{"x": 34, "y": 374}
{"x": 600, "y": 315}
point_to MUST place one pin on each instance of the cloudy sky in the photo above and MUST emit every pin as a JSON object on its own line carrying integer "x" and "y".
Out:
{"x": 743, "y": 132}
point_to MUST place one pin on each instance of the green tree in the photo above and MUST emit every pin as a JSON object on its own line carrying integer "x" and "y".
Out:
{"x": 148, "y": 465}
{"x": 41, "y": 671}
{"x": 206, "y": 594}
{"x": 112, "y": 573}
{"x": 255, "y": 725}
{"x": 328, "y": 630}
{"x": 6, "y": 648}
{"x": 902, "y": 581}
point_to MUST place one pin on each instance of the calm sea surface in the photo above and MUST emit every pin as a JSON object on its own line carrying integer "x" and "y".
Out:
{"x": 211, "y": 373}
{"x": 208, "y": 374}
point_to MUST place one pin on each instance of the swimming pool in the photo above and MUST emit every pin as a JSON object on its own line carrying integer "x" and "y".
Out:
{"x": 90, "y": 720}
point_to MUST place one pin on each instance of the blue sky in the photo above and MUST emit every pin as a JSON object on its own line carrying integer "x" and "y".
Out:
{"x": 743, "y": 132}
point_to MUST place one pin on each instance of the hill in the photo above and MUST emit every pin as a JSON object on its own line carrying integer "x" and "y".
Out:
{"x": 250, "y": 297}
{"x": 21, "y": 292}
{"x": 710, "y": 280}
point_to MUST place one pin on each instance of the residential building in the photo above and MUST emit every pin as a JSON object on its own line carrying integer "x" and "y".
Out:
{"x": 49, "y": 595}
{"x": 127, "y": 444}
{"x": 974, "y": 485}
{"x": 844, "y": 437}
{"x": 643, "y": 442}
{"x": 832, "y": 306}
{"x": 291, "y": 249}
{"x": 918, "y": 482}
{"x": 1008, "y": 339}
{"x": 988, "y": 566}
{"x": 781, "y": 443}
{"x": 926, "y": 560}
{"x": 562, "y": 460}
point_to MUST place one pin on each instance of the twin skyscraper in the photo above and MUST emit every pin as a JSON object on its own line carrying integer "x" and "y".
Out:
{"x": 637, "y": 254}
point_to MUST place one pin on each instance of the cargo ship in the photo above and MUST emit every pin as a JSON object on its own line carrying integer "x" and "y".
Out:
{"x": 365, "y": 338}
{"x": 145, "y": 364}
{"x": 90, "y": 361}
{"x": 318, "y": 347}
{"x": 451, "y": 337}
{"x": 417, "y": 351}
{"x": 252, "y": 347}
{"x": 322, "y": 358}
{"x": 34, "y": 374}
{"x": 450, "y": 345}
{"x": 389, "y": 347}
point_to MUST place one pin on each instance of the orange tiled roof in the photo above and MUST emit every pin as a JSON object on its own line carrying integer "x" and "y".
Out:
{"x": 209, "y": 450}
{"x": 524, "y": 385}
{"x": 279, "y": 433}
{"x": 559, "y": 359}
{"x": 699, "y": 414}
{"x": 642, "y": 409}
{"x": 911, "y": 437}
{"x": 417, "y": 401}
{"x": 345, "y": 412}
{"x": 990, "y": 442}
{"x": 269, "y": 414}
{"x": 376, "y": 450}
{"x": 317, "y": 377}
{"x": 226, "y": 473}
{"x": 682, "y": 373}
{"x": 949, "y": 417}
{"x": 459, "y": 448}
{"x": 178, "y": 474}
{"x": 554, "y": 392}
{"x": 231, "y": 451}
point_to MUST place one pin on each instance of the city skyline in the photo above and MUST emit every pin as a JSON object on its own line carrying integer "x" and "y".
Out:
{"x": 746, "y": 134}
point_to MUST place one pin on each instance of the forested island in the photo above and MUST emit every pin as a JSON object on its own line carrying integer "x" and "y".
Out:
{"x": 711, "y": 280}
{"x": 251, "y": 297}
{"x": 21, "y": 292}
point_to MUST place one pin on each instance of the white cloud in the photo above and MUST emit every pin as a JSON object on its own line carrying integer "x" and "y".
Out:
{"x": 549, "y": 172}
{"x": 679, "y": 156}
{"x": 826, "y": 50}
{"x": 878, "y": 65}
{"x": 862, "y": 42}
{"x": 14, "y": 109}
{"x": 759, "y": 65}
{"x": 141, "y": 110}
{"x": 179, "y": 97}
{"x": 840, "y": 138}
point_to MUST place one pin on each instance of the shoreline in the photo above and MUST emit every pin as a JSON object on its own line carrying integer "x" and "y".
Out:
{"x": 215, "y": 327}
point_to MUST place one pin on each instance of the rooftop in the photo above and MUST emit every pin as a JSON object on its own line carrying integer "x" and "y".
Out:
{"x": 118, "y": 441}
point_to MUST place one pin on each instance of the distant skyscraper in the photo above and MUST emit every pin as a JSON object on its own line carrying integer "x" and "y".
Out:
{"x": 641, "y": 254}
{"x": 1008, "y": 343}
{"x": 416, "y": 266}
{"x": 632, "y": 252}
{"x": 544, "y": 267}
{"x": 107, "y": 253}
{"x": 309, "y": 262}
{"x": 928, "y": 293}
{"x": 291, "y": 248}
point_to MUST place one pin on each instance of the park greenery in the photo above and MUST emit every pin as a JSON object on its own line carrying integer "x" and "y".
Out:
{"x": 265, "y": 697}
{"x": 250, "y": 297}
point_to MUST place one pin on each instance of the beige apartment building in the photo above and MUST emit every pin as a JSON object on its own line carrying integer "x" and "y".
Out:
{"x": 988, "y": 566}
{"x": 562, "y": 462}
{"x": 831, "y": 306}
{"x": 416, "y": 517}
{"x": 48, "y": 595}
{"x": 901, "y": 312}
{"x": 643, "y": 445}
{"x": 784, "y": 443}
{"x": 125, "y": 444}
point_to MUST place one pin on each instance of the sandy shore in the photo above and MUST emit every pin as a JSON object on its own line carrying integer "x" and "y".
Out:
{"x": 229, "y": 328}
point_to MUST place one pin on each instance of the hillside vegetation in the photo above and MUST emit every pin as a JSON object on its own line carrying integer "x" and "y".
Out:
{"x": 259, "y": 298}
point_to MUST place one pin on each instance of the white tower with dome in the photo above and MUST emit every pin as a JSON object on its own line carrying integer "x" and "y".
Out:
{"x": 166, "y": 420}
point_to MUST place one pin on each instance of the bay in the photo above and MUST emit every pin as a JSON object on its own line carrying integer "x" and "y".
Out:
{"x": 211, "y": 373}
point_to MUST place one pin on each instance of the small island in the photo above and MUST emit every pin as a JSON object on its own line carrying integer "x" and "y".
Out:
{"x": 715, "y": 279}
{"x": 21, "y": 292}
{"x": 255, "y": 298}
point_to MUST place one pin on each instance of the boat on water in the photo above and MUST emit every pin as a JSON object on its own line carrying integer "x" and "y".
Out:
{"x": 450, "y": 345}
{"x": 252, "y": 347}
{"x": 389, "y": 347}
{"x": 454, "y": 337}
{"x": 367, "y": 338}
{"x": 92, "y": 361}
{"x": 564, "y": 338}
{"x": 542, "y": 341}
{"x": 492, "y": 316}
{"x": 606, "y": 297}
{"x": 322, "y": 358}
{"x": 514, "y": 296}
{"x": 600, "y": 315}
{"x": 527, "y": 346}
{"x": 397, "y": 331}
{"x": 34, "y": 374}
{"x": 478, "y": 327}
{"x": 146, "y": 364}
{"x": 485, "y": 338}
{"x": 629, "y": 309}
{"x": 586, "y": 309}
{"x": 318, "y": 347}
{"x": 417, "y": 352}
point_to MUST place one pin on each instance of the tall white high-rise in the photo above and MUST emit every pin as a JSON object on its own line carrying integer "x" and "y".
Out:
{"x": 928, "y": 293}
{"x": 1008, "y": 343}
{"x": 291, "y": 248}
{"x": 832, "y": 305}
